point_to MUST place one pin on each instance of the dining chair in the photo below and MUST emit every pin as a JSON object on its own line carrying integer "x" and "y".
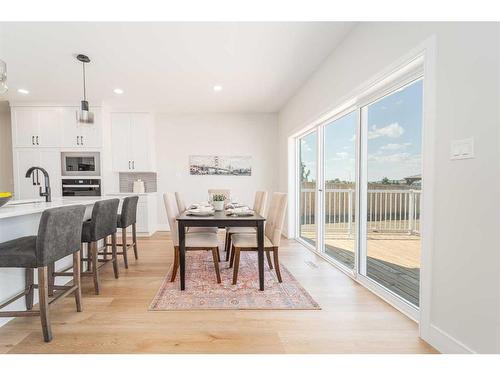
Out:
{"x": 272, "y": 236}
{"x": 181, "y": 207}
{"x": 225, "y": 192}
{"x": 194, "y": 241}
{"x": 259, "y": 206}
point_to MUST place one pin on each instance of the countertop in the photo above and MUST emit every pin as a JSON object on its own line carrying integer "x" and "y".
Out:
{"x": 129, "y": 194}
{"x": 34, "y": 206}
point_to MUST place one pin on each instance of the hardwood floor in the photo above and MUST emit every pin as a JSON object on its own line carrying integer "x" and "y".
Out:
{"x": 352, "y": 319}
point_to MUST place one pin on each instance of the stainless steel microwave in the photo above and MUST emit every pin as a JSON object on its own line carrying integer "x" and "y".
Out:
{"x": 80, "y": 164}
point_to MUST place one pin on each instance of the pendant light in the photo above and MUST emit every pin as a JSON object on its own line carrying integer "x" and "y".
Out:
{"x": 3, "y": 77}
{"x": 84, "y": 115}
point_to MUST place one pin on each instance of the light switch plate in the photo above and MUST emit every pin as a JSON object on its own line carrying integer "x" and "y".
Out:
{"x": 462, "y": 149}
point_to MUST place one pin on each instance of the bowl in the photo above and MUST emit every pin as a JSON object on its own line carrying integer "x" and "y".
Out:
{"x": 4, "y": 198}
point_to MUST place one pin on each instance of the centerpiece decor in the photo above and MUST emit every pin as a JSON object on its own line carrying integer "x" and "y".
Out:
{"x": 218, "y": 201}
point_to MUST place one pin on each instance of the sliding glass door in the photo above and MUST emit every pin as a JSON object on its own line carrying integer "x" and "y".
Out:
{"x": 393, "y": 130}
{"x": 308, "y": 154}
{"x": 339, "y": 189}
{"x": 360, "y": 187}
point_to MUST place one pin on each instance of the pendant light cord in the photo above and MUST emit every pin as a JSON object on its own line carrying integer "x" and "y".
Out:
{"x": 84, "y": 88}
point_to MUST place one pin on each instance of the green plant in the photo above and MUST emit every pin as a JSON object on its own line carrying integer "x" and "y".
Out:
{"x": 218, "y": 197}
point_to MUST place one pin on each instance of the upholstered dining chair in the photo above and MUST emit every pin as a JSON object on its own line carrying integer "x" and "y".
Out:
{"x": 273, "y": 230}
{"x": 181, "y": 207}
{"x": 259, "y": 207}
{"x": 194, "y": 241}
{"x": 225, "y": 192}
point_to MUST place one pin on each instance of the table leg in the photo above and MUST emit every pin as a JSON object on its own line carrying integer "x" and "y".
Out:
{"x": 182, "y": 254}
{"x": 260, "y": 248}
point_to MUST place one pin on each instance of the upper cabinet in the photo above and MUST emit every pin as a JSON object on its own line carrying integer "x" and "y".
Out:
{"x": 36, "y": 127}
{"x": 78, "y": 135}
{"x": 132, "y": 137}
{"x": 54, "y": 127}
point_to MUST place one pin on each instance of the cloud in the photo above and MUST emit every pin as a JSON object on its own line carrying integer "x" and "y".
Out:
{"x": 393, "y": 130}
{"x": 342, "y": 155}
{"x": 395, "y": 146}
{"x": 392, "y": 158}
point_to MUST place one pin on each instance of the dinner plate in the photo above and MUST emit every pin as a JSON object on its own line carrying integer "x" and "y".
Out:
{"x": 240, "y": 213}
{"x": 200, "y": 213}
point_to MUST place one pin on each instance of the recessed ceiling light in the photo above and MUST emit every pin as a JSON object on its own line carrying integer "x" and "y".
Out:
{"x": 217, "y": 88}
{"x": 23, "y": 91}
{"x": 118, "y": 91}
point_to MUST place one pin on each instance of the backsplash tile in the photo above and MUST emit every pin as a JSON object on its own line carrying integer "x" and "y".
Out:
{"x": 127, "y": 181}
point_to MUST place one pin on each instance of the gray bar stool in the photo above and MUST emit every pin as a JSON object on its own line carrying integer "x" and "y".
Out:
{"x": 126, "y": 218}
{"x": 101, "y": 225}
{"x": 59, "y": 234}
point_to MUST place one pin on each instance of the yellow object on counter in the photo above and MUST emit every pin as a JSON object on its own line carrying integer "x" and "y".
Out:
{"x": 5, "y": 194}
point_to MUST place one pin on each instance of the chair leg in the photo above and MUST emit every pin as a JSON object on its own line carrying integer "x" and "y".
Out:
{"x": 77, "y": 280}
{"x": 89, "y": 256}
{"x": 43, "y": 297}
{"x": 277, "y": 264}
{"x": 134, "y": 239}
{"x": 95, "y": 264}
{"x": 114, "y": 255}
{"x": 29, "y": 275}
{"x": 176, "y": 264}
{"x": 268, "y": 256}
{"x": 236, "y": 252}
{"x": 124, "y": 246}
{"x": 215, "y": 252}
{"x": 50, "y": 278}
{"x": 105, "y": 251}
{"x": 231, "y": 262}
{"x": 226, "y": 244}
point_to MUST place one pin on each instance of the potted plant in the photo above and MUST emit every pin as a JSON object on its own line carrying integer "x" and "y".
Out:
{"x": 218, "y": 201}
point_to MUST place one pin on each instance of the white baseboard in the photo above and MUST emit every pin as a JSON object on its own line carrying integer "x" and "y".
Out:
{"x": 446, "y": 343}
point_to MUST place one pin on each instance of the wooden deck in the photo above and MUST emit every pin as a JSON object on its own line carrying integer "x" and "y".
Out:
{"x": 393, "y": 258}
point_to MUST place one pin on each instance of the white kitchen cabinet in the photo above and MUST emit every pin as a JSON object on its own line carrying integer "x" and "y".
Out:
{"x": 133, "y": 142}
{"x": 36, "y": 126}
{"x": 78, "y": 135}
{"x": 49, "y": 159}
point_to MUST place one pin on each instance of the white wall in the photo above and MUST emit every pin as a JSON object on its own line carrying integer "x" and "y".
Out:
{"x": 179, "y": 136}
{"x": 464, "y": 312}
{"x": 6, "y": 174}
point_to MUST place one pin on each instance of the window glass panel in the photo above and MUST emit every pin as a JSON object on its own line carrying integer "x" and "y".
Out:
{"x": 307, "y": 191}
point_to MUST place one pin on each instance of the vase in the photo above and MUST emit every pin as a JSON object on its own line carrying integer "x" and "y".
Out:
{"x": 218, "y": 205}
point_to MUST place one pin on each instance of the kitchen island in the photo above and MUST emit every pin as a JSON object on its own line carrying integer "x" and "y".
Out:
{"x": 21, "y": 218}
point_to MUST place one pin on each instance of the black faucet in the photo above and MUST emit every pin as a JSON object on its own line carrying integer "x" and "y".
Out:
{"x": 31, "y": 172}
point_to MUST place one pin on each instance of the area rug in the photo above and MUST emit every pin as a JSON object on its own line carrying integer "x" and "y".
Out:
{"x": 203, "y": 293}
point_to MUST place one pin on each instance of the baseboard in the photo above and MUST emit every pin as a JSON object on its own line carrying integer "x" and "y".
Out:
{"x": 445, "y": 343}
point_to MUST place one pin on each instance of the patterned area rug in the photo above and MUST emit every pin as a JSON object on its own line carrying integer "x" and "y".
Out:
{"x": 203, "y": 293}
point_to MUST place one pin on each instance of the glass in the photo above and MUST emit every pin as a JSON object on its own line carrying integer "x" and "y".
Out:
{"x": 308, "y": 146}
{"x": 339, "y": 189}
{"x": 394, "y": 176}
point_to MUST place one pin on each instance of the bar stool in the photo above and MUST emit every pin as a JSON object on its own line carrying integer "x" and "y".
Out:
{"x": 101, "y": 225}
{"x": 59, "y": 234}
{"x": 125, "y": 219}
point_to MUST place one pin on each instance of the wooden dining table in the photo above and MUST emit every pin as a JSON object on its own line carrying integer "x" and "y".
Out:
{"x": 220, "y": 219}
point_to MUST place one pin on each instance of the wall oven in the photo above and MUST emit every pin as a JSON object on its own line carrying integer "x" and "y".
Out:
{"x": 80, "y": 164}
{"x": 81, "y": 187}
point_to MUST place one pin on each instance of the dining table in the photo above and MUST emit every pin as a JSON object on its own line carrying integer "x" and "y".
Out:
{"x": 220, "y": 219}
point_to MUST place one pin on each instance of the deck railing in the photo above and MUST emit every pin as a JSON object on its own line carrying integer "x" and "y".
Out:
{"x": 391, "y": 210}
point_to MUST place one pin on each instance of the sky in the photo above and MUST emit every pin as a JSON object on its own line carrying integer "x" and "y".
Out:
{"x": 394, "y": 139}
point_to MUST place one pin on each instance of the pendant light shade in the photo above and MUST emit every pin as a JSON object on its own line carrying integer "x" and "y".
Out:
{"x": 84, "y": 115}
{"x": 3, "y": 77}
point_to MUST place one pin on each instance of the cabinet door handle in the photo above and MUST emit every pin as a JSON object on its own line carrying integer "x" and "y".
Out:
{"x": 133, "y": 164}
{"x": 81, "y": 139}
{"x": 32, "y": 139}
{"x": 37, "y": 140}
{"x": 129, "y": 164}
{"x": 78, "y": 140}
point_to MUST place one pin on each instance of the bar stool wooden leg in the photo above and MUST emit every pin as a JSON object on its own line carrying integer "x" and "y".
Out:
{"x": 134, "y": 239}
{"x": 124, "y": 246}
{"x": 50, "y": 278}
{"x": 115, "y": 256}
{"x": 95, "y": 266}
{"x": 29, "y": 276}
{"x": 77, "y": 280}
{"x": 89, "y": 256}
{"x": 43, "y": 296}
{"x": 105, "y": 250}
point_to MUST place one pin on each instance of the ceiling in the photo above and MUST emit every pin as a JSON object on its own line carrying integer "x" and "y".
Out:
{"x": 167, "y": 67}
